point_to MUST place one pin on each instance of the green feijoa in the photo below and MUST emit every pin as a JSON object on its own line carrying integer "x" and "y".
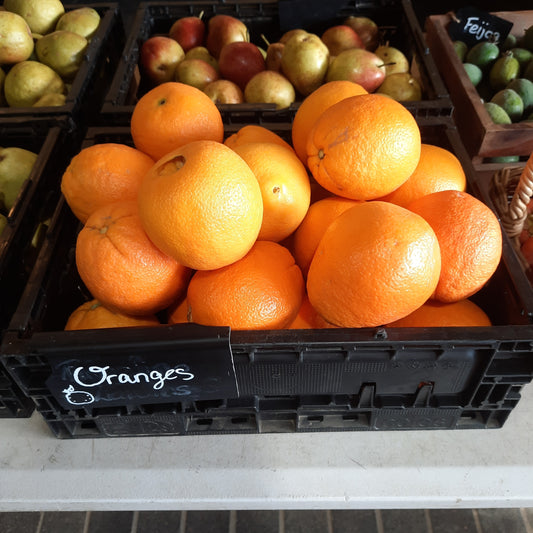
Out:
{"x": 474, "y": 73}
{"x": 483, "y": 54}
{"x": 461, "y": 49}
{"x": 497, "y": 113}
{"x": 511, "y": 102}
{"x": 524, "y": 88}
{"x": 504, "y": 159}
{"x": 503, "y": 70}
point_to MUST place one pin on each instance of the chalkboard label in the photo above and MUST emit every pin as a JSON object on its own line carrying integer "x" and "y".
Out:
{"x": 472, "y": 26}
{"x": 171, "y": 372}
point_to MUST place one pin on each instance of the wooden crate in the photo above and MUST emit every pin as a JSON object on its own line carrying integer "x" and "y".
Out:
{"x": 481, "y": 136}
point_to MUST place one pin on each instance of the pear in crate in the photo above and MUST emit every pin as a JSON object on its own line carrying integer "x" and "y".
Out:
{"x": 84, "y": 21}
{"x": 28, "y": 81}
{"x": 63, "y": 51}
{"x": 41, "y": 15}
{"x": 15, "y": 168}
{"x": 16, "y": 42}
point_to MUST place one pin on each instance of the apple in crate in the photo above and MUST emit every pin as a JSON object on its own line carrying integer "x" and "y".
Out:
{"x": 159, "y": 57}
{"x": 188, "y": 31}
{"x": 224, "y": 29}
{"x": 239, "y": 62}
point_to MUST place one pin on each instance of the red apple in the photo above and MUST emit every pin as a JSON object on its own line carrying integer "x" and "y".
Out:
{"x": 188, "y": 31}
{"x": 196, "y": 72}
{"x": 358, "y": 65}
{"x": 224, "y": 29}
{"x": 239, "y": 62}
{"x": 367, "y": 30}
{"x": 224, "y": 92}
{"x": 159, "y": 57}
{"x": 341, "y": 37}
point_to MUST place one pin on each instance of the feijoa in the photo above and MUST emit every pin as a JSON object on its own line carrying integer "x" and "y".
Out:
{"x": 511, "y": 102}
{"x": 483, "y": 54}
{"x": 503, "y": 70}
{"x": 474, "y": 73}
{"x": 524, "y": 88}
{"x": 497, "y": 113}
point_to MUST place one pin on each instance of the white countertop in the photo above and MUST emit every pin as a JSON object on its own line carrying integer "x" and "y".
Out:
{"x": 379, "y": 469}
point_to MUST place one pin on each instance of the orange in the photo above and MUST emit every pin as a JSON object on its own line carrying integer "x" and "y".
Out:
{"x": 438, "y": 170}
{"x": 314, "y": 105}
{"x": 284, "y": 184}
{"x": 432, "y": 314}
{"x": 121, "y": 267}
{"x": 263, "y": 290}
{"x": 102, "y": 174}
{"x": 201, "y": 204}
{"x": 94, "y": 315}
{"x": 470, "y": 240}
{"x": 308, "y": 318}
{"x": 364, "y": 147}
{"x": 171, "y": 115}
{"x": 317, "y": 220}
{"x": 376, "y": 263}
{"x": 253, "y": 133}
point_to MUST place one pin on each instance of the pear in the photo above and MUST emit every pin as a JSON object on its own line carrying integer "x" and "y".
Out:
{"x": 304, "y": 61}
{"x": 15, "y": 168}
{"x": 63, "y": 51}
{"x": 393, "y": 59}
{"x": 28, "y": 81}
{"x": 41, "y": 15}
{"x": 269, "y": 87}
{"x": 402, "y": 87}
{"x": 84, "y": 21}
{"x": 16, "y": 42}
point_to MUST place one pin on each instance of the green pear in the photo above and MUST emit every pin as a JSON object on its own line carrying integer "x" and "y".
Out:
{"x": 394, "y": 60}
{"x": 28, "y": 81}
{"x": 84, "y": 21}
{"x": 304, "y": 61}
{"x": 402, "y": 87}
{"x": 63, "y": 51}
{"x": 16, "y": 43}
{"x": 41, "y": 15}
{"x": 15, "y": 168}
{"x": 3, "y": 223}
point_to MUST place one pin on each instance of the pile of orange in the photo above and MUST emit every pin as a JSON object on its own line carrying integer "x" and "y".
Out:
{"x": 352, "y": 222}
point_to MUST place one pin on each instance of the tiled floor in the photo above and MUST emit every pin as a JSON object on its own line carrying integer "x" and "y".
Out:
{"x": 343, "y": 521}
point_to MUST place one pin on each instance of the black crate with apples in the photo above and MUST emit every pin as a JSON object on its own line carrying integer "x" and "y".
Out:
{"x": 397, "y": 23}
{"x": 367, "y": 379}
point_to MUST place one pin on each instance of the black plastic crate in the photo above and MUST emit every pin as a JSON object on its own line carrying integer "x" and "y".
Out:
{"x": 24, "y": 234}
{"x": 87, "y": 90}
{"x": 396, "y": 19}
{"x": 285, "y": 380}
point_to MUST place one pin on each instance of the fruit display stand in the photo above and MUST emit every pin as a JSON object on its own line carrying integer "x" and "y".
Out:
{"x": 397, "y": 22}
{"x": 23, "y": 235}
{"x": 267, "y": 381}
{"x": 86, "y": 90}
{"x": 481, "y": 136}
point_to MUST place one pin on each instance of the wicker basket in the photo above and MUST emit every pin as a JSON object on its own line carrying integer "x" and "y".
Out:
{"x": 511, "y": 191}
